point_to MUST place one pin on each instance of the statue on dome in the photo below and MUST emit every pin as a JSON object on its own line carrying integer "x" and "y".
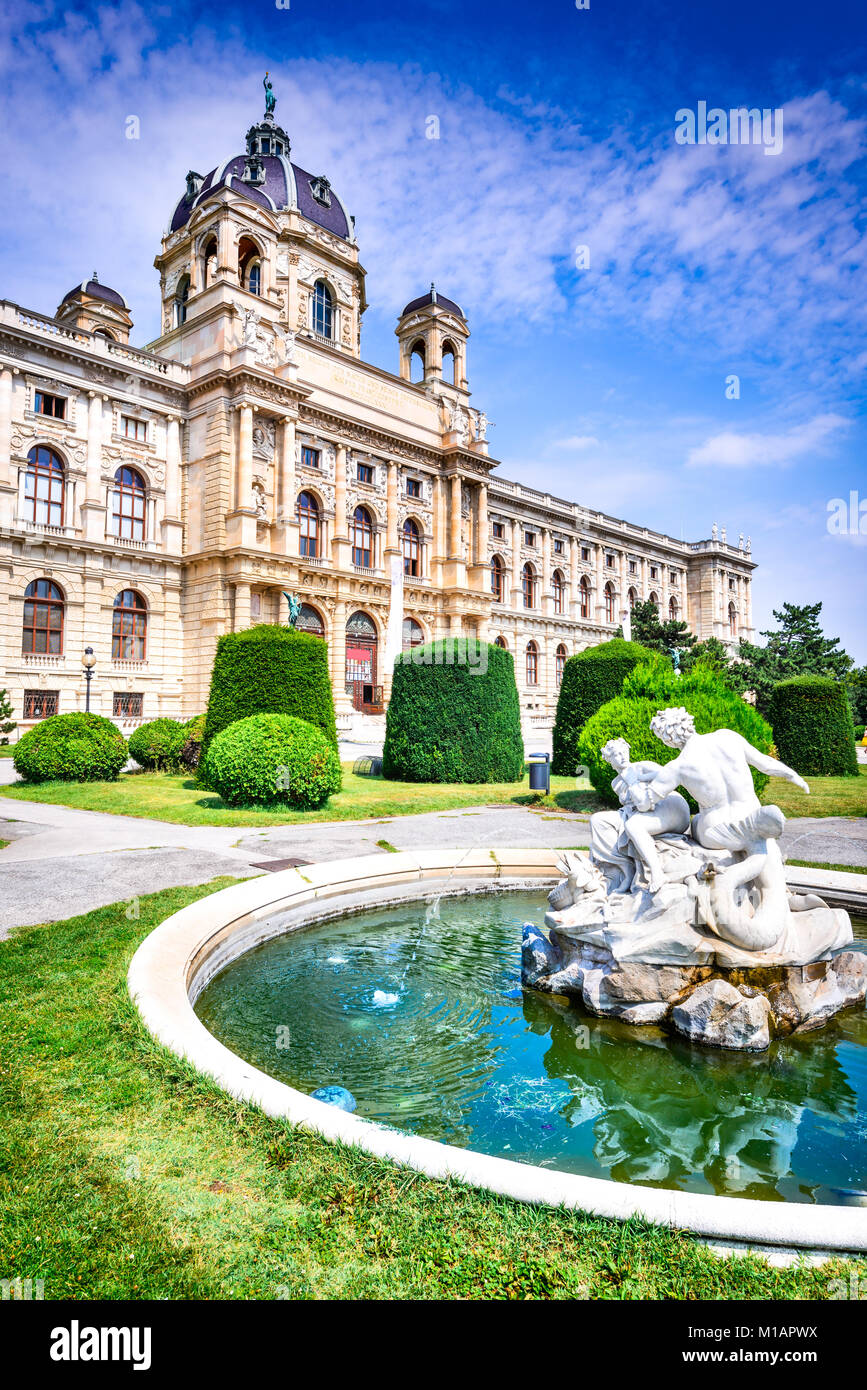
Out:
{"x": 270, "y": 99}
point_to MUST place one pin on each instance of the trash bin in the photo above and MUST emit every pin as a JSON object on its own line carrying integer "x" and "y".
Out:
{"x": 540, "y": 773}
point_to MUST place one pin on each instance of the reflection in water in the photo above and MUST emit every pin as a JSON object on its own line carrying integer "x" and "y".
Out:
{"x": 407, "y": 1008}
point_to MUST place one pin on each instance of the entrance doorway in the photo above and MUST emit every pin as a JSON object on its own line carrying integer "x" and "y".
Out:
{"x": 361, "y": 664}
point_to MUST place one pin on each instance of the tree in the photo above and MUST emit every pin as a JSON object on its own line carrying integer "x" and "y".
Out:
{"x": 649, "y": 632}
{"x": 6, "y": 723}
{"x": 856, "y": 689}
{"x": 713, "y": 654}
{"x": 798, "y": 647}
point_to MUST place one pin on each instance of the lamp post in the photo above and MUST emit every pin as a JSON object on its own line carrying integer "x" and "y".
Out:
{"x": 89, "y": 663}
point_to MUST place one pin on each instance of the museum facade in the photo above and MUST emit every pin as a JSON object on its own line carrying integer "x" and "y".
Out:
{"x": 151, "y": 500}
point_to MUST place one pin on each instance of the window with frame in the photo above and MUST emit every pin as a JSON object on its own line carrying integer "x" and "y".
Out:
{"x": 309, "y": 457}
{"x": 411, "y": 548}
{"x": 558, "y": 589}
{"x": 530, "y": 539}
{"x": 654, "y": 571}
{"x": 585, "y": 552}
{"x": 532, "y": 664}
{"x": 127, "y": 704}
{"x": 131, "y": 428}
{"x": 672, "y": 576}
{"x": 413, "y": 487}
{"x": 609, "y": 603}
{"x": 558, "y": 547}
{"x": 731, "y": 584}
{"x": 412, "y": 635}
{"x": 559, "y": 664}
{"x": 632, "y": 598}
{"x": 654, "y": 599}
{"x": 528, "y": 586}
{"x": 42, "y": 622}
{"x": 501, "y": 643}
{"x": 308, "y": 525}
{"x": 46, "y": 404}
{"x": 733, "y": 621}
{"x": 609, "y": 561}
{"x": 673, "y": 610}
{"x": 128, "y": 501}
{"x": 498, "y": 579}
{"x": 499, "y": 531}
{"x": 584, "y": 592}
{"x": 41, "y": 704}
{"x": 44, "y": 487}
{"x": 323, "y": 310}
{"x": 365, "y": 473}
{"x": 362, "y": 538}
{"x": 633, "y": 567}
{"x": 129, "y": 627}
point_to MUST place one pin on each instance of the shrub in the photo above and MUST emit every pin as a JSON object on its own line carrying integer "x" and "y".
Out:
{"x": 454, "y": 715}
{"x": 7, "y": 723}
{"x": 273, "y": 759}
{"x": 157, "y": 746}
{"x": 191, "y": 748}
{"x": 812, "y": 726}
{"x": 859, "y": 732}
{"x": 655, "y": 686}
{"x": 270, "y": 670}
{"x": 589, "y": 680}
{"x": 71, "y": 748}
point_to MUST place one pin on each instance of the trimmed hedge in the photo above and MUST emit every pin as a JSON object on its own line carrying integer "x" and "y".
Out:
{"x": 454, "y": 715}
{"x": 270, "y": 669}
{"x": 655, "y": 686}
{"x": 590, "y": 679}
{"x": 157, "y": 746}
{"x": 191, "y": 748}
{"x": 812, "y": 726}
{"x": 859, "y": 732}
{"x": 273, "y": 759}
{"x": 71, "y": 748}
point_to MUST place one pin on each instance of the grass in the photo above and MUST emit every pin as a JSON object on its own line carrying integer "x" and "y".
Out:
{"x": 123, "y": 1174}
{"x": 161, "y": 796}
{"x": 6, "y": 750}
{"x": 815, "y": 864}
{"x": 829, "y": 796}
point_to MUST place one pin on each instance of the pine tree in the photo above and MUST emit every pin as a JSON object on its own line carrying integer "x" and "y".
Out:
{"x": 6, "y": 723}
{"x": 798, "y": 647}
{"x": 648, "y": 631}
{"x": 711, "y": 652}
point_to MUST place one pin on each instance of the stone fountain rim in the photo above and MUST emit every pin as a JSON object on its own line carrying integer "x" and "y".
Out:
{"x": 178, "y": 958}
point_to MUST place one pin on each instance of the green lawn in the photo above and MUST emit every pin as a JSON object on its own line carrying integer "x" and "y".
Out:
{"x": 125, "y": 1175}
{"x": 816, "y": 864}
{"x": 178, "y": 799}
{"x": 829, "y": 796}
{"x": 6, "y": 750}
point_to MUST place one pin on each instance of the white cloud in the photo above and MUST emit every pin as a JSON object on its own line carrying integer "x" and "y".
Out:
{"x": 576, "y": 442}
{"x": 756, "y": 450}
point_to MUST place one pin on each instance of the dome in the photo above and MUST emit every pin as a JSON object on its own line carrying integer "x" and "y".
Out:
{"x": 281, "y": 185}
{"x": 95, "y": 290}
{"x": 433, "y": 297}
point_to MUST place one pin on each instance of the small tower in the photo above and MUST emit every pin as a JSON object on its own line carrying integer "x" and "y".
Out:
{"x": 432, "y": 332}
{"x": 96, "y": 308}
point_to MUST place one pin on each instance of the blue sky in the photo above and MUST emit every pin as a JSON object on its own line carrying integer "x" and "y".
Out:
{"x": 606, "y": 383}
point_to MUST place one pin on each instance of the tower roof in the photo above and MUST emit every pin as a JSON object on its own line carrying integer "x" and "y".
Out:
{"x": 434, "y": 297}
{"x": 95, "y": 290}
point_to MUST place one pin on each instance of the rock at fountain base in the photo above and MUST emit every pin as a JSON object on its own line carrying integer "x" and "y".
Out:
{"x": 740, "y": 1007}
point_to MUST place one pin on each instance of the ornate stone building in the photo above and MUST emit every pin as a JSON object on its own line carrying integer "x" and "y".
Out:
{"x": 151, "y": 500}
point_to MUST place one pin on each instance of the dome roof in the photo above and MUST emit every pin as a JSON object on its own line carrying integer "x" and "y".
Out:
{"x": 285, "y": 185}
{"x": 433, "y": 297}
{"x": 96, "y": 291}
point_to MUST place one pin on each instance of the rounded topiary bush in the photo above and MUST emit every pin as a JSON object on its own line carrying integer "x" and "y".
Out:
{"x": 590, "y": 679}
{"x": 270, "y": 669}
{"x": 71, "y": 748}
{"x": 454, "y": 715}
{"x": 273, "y": 759}
{"x": 156, "y": 746}
{"x": 191, "y": 748}
{"x": 655, "y": 686}
{"x": 812, "y": 726}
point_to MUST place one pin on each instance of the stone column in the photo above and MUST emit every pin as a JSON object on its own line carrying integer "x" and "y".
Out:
{"x": 517, "y": 600}
{"x": 7, "y": 480}
{"x": 171, "y": 526}
{"x": 547, "y": 604}
{"x": 392, "y": 543}
{"x": 600, "y": 582}
{"x": 455, "y": 518}
{"x": 337, "y": 648}
{"x": 439, "y": 545}
{"x": 242, "y": 607}
{"x": 93, "y": 511}
{"x": 286, "y": 502}
{"x": 243, "y": 495}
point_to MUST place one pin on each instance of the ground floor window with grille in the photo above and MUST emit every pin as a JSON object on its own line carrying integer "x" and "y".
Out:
{"x": 127, "y": 705}
{"x": 40, "y": 704}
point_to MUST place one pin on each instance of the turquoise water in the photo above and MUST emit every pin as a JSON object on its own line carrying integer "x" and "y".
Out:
{"x": 407, "y": 1008}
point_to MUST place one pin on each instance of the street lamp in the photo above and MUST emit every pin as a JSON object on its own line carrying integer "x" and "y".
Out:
{"x": 89, "y": 663}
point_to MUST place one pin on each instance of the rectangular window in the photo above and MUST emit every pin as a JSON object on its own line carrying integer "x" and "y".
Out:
{"x": 530, "y": 538}
{"x": 499, "y": 531}
{"x": 365, "y": 473}
{"x": 731, "y": 583}
{"x": 133, "y": 429}
{"x": 558, "y": 547}
{"x": 633, "y": 567}
{"x": 127, "y": 705}
{"x": 672, "y": 576}
{"x": 609, "y": 560}
{"x": 40, "y": 704}
{"x": 585, "y": 552}
{"x": 654, "y": 571}
{"x": 413, "y": 487}
{"x": 43, "y": 404}
{"x": 310, "y": 457}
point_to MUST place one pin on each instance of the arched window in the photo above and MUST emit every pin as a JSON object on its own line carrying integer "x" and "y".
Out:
{"x": 413, "y": 634}
{"x": 128, "y": 499}
{"x": 449, "y": 363}
{"x": 560, "y": 664}
{"x": 584, "y": 588}
{"x": 209, "y": 262}
{"x": 129, "y": 627}
{"x": 673, "y": 609}
{"x": 532, "y": 664}
{"x": 249, "y": 265}
{"x": 501, "y": 642}
{"x": 558, "y": 589}
{"x": 309, "y": 620}
{"x": 417, "y": 361}
{"x": 609, "y": 603}
{"x": 733, "y": 621}
{"x": 323, "y": 310}
{"x": 308, "y": 525}
{"x": 498, "y": 579}
{"x": 362, "y": 538}
{"x": 43, "y": 487}
{"x": 528, "y": 584}
{"x": 182, "y": 294}
{"x": 104, "y": 333}
{"x": 42, "y": 628}
{"x": 654, "y": 599}
{"x": 411, "y": 548}
{"x": 632, "y": 598}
